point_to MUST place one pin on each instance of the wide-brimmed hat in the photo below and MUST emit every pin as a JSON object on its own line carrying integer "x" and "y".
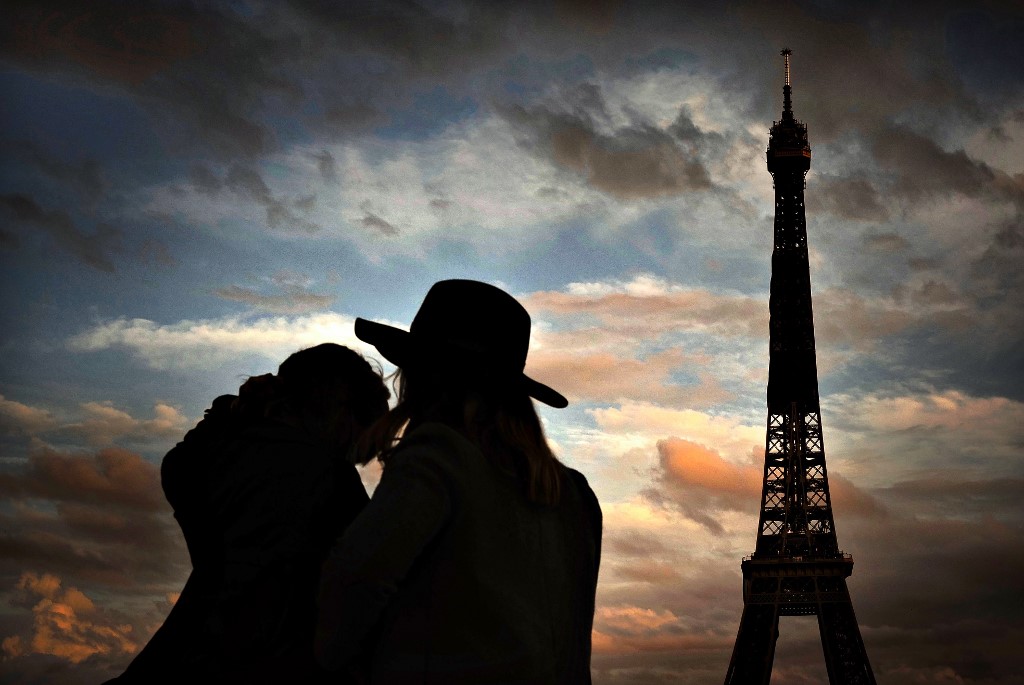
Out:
{"x": 480, "y": 327}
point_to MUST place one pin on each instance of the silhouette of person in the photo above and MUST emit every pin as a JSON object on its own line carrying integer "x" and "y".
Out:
{"x": 476, "y": 560}
{"x": 261, "y": 488}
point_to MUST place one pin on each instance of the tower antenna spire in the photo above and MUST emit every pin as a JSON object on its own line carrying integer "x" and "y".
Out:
{"x": 787, "y": 102}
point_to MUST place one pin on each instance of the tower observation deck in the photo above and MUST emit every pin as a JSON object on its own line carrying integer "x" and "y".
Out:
{"x": 797, "y": 567}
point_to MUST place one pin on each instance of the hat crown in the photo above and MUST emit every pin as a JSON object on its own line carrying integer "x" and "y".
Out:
{"x": 476, "y": 318}
{"x": 464, "y": 327}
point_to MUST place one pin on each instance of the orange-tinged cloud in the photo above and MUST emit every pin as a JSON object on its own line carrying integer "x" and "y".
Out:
{"x": 689, "y": 464}
{"x": 926, "y": 434}
{"x": 46, "y": 585}
{"x": 647, "y": 571}
{"x": 651, "y": 306}
{"x": 702, "y": 485}
{"x": 12, "y": 647}
{"x": 66, "y": 624}
{"x": 847, "y": 319}
{"x": 604, "y": 376}
{"x": 17, "y": 418}
{"x": 631, "y": 629}
{"x": 726, "y": 433}
{"x": 90, "y": 518}
{"x": 603, "y": 643}
{"x": 949, "y": 410}
{"x": 98, "y": 423}
{"x": 104, "y": 423}
{"x": 649, "y": 310}
{"x": 112, "y": 475}
{"x": 631, "y": 619}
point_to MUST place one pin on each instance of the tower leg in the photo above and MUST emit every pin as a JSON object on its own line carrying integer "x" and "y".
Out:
{"x": 845, "y": 656}
{"x": 754, "y": 653}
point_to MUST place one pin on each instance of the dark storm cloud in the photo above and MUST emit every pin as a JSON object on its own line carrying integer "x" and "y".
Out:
{"x": 925, "y": 169}
{"x": 638, "y": 161}
{"x": 245, "y": 182}
{"x": 174, "y": 59}
{"x": 203, "y": 179}
{"x": 856, "y": 67}
{"x": 854, "y": 198}
{"x": 341, "y": 119}
{"x": 997, "y": 270}
{"x": 937, "y": 496}
{"x": 219, "y": 79}
{"x": 327, "y": 166}
{"x": 937, "y": 583}
{"x": 998, "y": 132}
{"x": 111, "y": 476}
{"x": 921, "y": 264}
{"x": 931, "y": 293}
{"x": 986, "y": 39}
{"x": 885, "y": 242}
{"x": 152, "y": 54}
{"x": 292, "y": 301}
{"x": 632, "y": 544}
{"x": 98, "y": 520}
{"x": 94, "y": 249}
{"x": 422, "y": 38}
{"x": 372, "y": 221}
{"x": 983, "y": 299}
{"x": 690, "y": 135}
{"x": 123, "y": 45}
{"x": 155, "y": 252}
{"x": 84, "y": 176}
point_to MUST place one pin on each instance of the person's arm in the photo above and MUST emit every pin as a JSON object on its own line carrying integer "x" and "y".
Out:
{"x": 370, "y": 561}
{"x": 270, "y": 504}
{"x": 273, "y": 507}
{"x": 184, "y": 471}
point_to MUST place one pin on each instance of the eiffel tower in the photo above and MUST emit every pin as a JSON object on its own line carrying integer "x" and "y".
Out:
{"x": 797, "y": 568}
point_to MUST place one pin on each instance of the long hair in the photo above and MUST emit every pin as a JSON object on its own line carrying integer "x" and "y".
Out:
{"x": 497, "y": 417}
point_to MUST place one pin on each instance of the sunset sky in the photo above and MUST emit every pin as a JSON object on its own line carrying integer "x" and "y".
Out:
{"x": 189, "y": 192}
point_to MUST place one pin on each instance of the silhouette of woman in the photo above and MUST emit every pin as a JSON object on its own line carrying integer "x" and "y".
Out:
{"x": 476, "y": 560}
{"x": 261, "y": 487}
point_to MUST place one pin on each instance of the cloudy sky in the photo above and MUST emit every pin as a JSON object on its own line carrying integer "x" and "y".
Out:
{"x": 191, "y": 191}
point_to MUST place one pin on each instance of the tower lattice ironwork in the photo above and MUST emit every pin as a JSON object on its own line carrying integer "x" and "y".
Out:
{"x": 797, "y": 568}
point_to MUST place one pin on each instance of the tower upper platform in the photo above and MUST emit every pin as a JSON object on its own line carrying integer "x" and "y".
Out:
{"x": 788, "y": 149}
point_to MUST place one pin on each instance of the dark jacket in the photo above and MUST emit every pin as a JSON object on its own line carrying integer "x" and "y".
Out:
{"x": 259, "y": 503}
{"x": 452, "y": 576}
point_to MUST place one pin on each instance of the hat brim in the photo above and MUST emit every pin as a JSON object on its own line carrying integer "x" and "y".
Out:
{"x": 391, "y": 342}
{"x": 400, "y": 348}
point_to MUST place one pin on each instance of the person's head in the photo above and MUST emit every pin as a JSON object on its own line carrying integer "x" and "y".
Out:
{"x": 461, "y": 363}
{"x": 328, "y": 388}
